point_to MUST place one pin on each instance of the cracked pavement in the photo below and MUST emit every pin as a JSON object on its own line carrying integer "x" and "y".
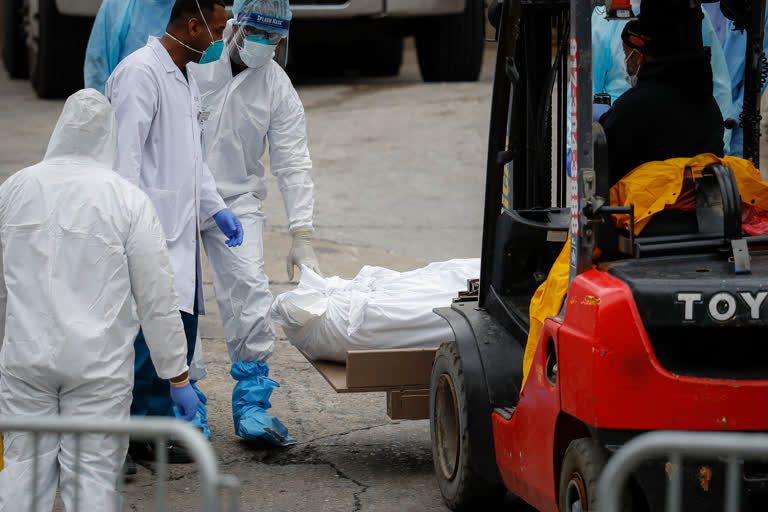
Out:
{"x": 399, "y": 174}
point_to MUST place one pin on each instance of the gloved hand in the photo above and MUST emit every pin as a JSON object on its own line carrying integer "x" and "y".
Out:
{"x": 230, "y": 225}
{"x": 185, "y": 399}
{"x": 598, "y": 109}
{"x": 301, "y": 253}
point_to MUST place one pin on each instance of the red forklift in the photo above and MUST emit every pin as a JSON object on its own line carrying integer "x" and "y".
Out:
{"x": 665, "y": 331}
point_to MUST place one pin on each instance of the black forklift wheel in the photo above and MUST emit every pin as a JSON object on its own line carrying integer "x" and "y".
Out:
{"x": 582, "y": 465}
{"x": 462, "y": 488}
{"x": 583, "y": 462}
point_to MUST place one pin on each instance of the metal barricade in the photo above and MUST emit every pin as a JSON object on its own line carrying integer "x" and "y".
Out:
{"x": 159, "y": 430}
{"x": 734, "y": 448}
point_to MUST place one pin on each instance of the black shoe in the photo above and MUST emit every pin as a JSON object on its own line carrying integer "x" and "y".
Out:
{"x": 178, "y": 454}
{"x": 129, "y": 467}
{"x": 141, "y": 450}
{"x": 145, "y": 450}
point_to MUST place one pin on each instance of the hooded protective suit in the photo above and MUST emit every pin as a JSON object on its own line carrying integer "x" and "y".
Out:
{"x": 121, "y": 27}
{"x": 84, "y": 261}
{"x": 243, "y": 113}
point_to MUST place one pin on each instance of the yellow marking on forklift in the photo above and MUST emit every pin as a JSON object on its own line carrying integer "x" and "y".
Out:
{"x": 586, "y": 301}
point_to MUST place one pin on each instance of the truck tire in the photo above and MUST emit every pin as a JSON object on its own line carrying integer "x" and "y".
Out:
{"x": 57, "y": 61}
{"x": 14, "y": 40}
{"x": 450, "y": 48}
{"x": 461, "y": 487}
{"x": 382, "y": 57}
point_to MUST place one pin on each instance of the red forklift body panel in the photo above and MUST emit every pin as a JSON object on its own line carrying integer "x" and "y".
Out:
{"x": 610, "y": 377}
{"x": 525, "y": 443}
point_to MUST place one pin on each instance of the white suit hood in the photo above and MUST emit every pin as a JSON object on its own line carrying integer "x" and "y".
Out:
{"x": 86, "y": 129}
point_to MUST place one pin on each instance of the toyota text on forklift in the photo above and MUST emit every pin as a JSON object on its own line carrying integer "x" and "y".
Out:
{"x": 663, "y": 328}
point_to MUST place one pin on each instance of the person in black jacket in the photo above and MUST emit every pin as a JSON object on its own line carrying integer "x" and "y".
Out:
{"x": 670, "y": 111}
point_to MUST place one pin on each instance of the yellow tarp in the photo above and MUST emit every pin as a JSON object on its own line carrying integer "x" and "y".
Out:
{"x": 655, "y": 185}
{"x": 651, "y": 187}
{"x": 547, "y": 302}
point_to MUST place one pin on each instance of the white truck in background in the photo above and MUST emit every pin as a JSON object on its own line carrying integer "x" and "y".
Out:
{"x": 45, "y": 40}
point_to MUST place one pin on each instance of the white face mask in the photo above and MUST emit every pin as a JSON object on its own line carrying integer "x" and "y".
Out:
{"x": 631, "y": 79}
{"x": 256, "y": 55}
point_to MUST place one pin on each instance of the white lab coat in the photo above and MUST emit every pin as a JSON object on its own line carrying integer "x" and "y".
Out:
{"x": 242, "y": 114}
{"x": 84, "y": 263}
{"x": 159, "y": 150}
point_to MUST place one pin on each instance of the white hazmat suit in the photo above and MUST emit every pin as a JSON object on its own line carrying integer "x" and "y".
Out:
{"x": 243, "y": 113}
{"x": 84, "y": 263}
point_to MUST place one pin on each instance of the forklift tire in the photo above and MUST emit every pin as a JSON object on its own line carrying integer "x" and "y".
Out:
{"x": 14, "y": 40}
{"x": 583, "y": 463}
{"x": 461, "y": 487}
{"x": 57, "y": 64}
{"x": 450, "y": 48}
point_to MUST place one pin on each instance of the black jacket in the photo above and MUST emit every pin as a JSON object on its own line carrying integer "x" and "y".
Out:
{"x": 670, "y": 113}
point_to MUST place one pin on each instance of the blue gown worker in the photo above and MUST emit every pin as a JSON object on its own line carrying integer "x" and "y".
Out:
{"x": 159, "y": 150}
{"x": 608, "y": 62}
{"x": 250, "y": 105}
{"x": 121, "y": 27}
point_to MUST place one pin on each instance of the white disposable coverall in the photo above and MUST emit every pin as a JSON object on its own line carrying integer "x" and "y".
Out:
{"x": 243, "y": 113}
{"x": 158, "y": 116}
{"x": 85, "y": 261}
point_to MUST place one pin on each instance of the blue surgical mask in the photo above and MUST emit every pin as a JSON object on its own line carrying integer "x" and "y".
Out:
{"x": 213, "y": 53}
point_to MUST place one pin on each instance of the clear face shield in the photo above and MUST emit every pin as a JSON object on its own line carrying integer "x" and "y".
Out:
{"x": 258, "y": 38}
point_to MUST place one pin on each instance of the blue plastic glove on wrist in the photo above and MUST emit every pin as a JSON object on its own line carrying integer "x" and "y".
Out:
{"x": 230, "y": 225}
{"x": 186, "y": 401}
{"x": 200, "y": 420}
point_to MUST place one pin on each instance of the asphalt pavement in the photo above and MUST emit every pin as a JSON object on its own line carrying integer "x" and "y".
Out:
{"x": 399, "y": 169}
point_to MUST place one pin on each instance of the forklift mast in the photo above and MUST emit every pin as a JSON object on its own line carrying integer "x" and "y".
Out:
{"x": 531, "y": 81}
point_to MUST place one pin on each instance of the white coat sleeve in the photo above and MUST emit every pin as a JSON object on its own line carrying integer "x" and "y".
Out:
{"x": 210, "y": 200}
{"x": 133, "y": 92}
{"x": 152, "y": 287}
{"x": 289, "y": 156}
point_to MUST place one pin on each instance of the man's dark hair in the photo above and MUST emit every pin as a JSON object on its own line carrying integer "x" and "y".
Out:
{"x": 188, "y": 8}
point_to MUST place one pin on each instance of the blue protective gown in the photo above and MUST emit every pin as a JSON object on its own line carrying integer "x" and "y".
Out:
{"x": 735, "y": 48}
{"x": 121, "y": 28}
{"x": 608, "y": 63}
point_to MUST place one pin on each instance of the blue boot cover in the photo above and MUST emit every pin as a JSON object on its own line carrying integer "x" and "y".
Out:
{"x": 250, "y": 401}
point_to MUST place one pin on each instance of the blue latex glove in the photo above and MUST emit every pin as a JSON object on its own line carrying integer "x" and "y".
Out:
{"x": 250, "y": 401}
{"x": 201, "y": 417}
{"x": 186, "y": 401}
{"x": 598, "y": 109}
{"x": 230, "y": 225}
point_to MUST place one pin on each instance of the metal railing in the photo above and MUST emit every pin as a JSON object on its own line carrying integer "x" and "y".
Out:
{"x": 159, "y": 430}
{"x": 731, "y": 447}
